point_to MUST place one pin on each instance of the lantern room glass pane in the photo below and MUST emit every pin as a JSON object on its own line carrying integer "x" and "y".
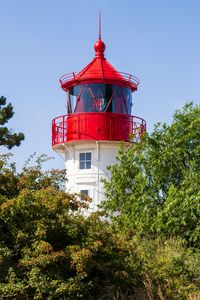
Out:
{"x": 118, "y": 101}
{"x": 102, "y": 94}
{"x": 72, "y": 102}
{"x": 122, "y": 100}
{"x": 100, "y": 97}
{"x": 128, "y": 98}
{"x": 86, "y": 100}
{"x": 74, "y": 94}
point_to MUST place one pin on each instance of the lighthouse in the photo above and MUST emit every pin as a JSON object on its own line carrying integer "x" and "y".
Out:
{"x": 98, "y": 119}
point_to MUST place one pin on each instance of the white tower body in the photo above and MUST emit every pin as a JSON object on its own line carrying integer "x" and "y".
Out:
{"x": 86, "y": 165}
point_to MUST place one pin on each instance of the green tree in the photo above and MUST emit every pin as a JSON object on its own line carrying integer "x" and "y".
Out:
{"x": 168, "y": 267}
{"x": 8, "y": 138}
{"x": 155, "y": 186}
{"x": 48, "y": 249}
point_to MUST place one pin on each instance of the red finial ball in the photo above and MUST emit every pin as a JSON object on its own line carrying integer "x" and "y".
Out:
{"x": 99, "y": 47}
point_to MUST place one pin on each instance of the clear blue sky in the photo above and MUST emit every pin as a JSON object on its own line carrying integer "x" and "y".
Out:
{"x": 158, "y": 41}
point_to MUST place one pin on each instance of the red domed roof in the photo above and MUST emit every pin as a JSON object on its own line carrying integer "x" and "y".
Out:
{"x": 99, "y": 70}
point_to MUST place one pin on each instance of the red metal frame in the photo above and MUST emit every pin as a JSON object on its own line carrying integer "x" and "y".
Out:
{"x": 97, "y": 126}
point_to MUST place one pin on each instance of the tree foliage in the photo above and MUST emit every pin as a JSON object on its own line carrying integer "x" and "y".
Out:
{"x": 155, "y": 187}
{"x": 8, "y": 138}
{"x": 48, "y": 249}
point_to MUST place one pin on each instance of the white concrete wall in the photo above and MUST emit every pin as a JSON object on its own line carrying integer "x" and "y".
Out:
{"x": 103, "y": 155}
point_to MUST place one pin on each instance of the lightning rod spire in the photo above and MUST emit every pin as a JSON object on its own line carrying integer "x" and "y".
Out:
{"x": 99, "y": 25}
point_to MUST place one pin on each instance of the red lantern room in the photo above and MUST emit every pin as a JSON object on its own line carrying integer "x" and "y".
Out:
{"x": 99, "y": 103}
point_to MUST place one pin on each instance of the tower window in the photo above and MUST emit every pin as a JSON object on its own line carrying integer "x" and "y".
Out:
{"x": 85, "y": 160}
{"x": 84, "y": 192}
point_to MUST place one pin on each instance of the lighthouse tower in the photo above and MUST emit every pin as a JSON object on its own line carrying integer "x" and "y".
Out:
{"x": 99, "y": 104}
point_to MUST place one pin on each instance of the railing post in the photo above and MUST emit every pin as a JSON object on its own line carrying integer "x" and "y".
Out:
{"x": 52, "y": 141}
{"x": 62, "y": 129}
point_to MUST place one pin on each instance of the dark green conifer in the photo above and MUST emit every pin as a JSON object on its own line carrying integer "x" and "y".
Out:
{"x": 8, "y": 138}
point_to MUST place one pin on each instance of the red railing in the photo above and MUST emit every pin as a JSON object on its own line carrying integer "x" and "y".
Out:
{"x": 97, "y": 126}
{"x": 128, "y": 78}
